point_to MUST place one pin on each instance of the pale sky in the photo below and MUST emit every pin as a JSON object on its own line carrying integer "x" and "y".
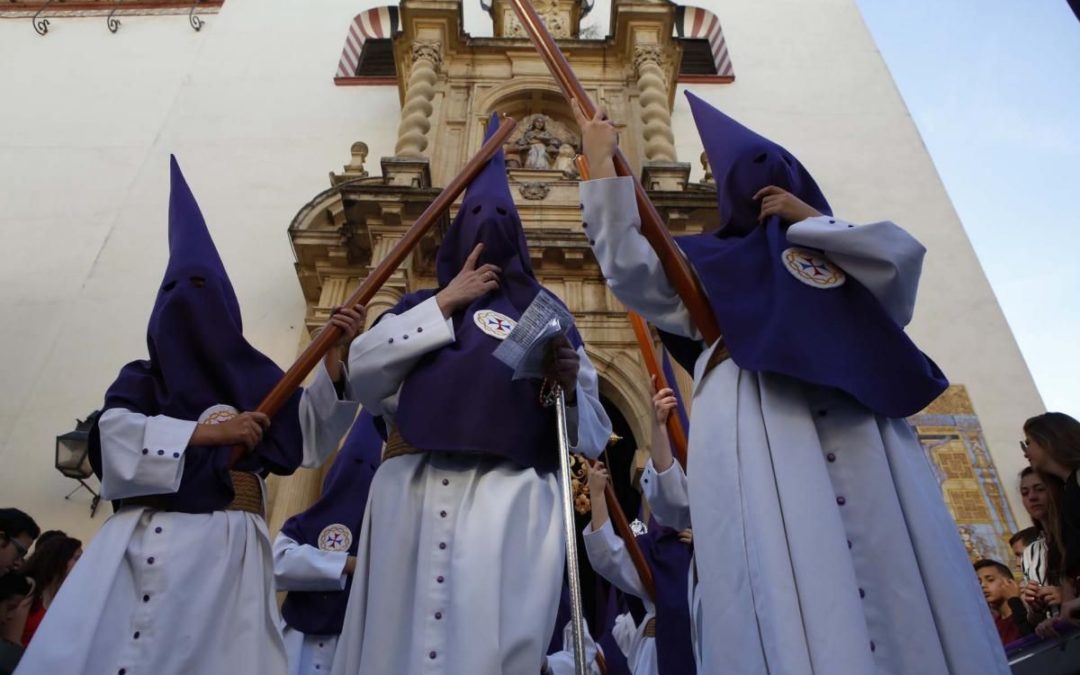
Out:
{"x": 994, "y": 88}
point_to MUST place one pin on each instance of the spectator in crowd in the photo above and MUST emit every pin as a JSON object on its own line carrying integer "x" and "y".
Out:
{"x": 1022, "y": 539}
{"x": 1002, "y": 593}
{"x": 1052, "y": 445}
{"x": 15, "y": 599}
{"x": 47, "y": 535}
{"x": 1041, "y": 494}
{"x": 54, "y": 556}
{"x": 17, "y": 534}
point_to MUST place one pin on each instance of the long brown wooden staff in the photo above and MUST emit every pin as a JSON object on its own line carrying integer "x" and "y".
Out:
{"x": 675, "y": 266}
{"x": 374, "y": 281}
{"x": 676, "y": 433}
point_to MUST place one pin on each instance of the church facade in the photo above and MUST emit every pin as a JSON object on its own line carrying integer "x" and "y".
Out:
{"x": 265, "y": 97}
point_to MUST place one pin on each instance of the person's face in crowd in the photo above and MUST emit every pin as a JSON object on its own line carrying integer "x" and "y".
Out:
{"x": 1033, "y": 493}
{"x": 996, "y": 587}
{"x": 1037, "y": 455}
{"x": 1018, "y": 548}
{"x": 13, "y": 550}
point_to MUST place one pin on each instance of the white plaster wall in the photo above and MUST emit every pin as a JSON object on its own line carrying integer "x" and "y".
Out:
{"x": 87, "y": 122}
{"x": 809, "y": 76}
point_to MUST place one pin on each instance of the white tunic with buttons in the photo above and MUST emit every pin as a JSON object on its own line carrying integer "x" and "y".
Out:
{"x": 161, "y": 593}
{"x": 460, "y": 563}
{"x": 303, "y": 567}
{"x": 609, "y": 557}
{"x": 822, "y": 541}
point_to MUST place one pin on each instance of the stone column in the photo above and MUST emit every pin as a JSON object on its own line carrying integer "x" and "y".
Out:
{"x": 420, "y": 90}
{"x": 659, "y": 140}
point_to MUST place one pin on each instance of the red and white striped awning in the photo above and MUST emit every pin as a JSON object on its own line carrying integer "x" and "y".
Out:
{"x": 381, "y": 22}
{"x": 698, "y": 23}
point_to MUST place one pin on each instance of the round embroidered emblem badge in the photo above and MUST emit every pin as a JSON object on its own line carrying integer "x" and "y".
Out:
{"x": 494, "y": 324}
{"x": 335, "y": 537}
{"x": 812, "y": 268}
{"x": 216, "y": 414}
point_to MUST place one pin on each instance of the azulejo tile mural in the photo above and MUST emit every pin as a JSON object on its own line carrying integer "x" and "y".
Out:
{"x": 953, "y": 441}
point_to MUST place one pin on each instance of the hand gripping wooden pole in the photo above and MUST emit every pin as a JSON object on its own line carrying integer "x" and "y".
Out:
{"x": 378, "y": 276}
{"x": 676, "y": 433}
{"x": 675, "y": 266}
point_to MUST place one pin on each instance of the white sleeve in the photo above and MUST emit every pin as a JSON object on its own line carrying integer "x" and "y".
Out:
{"x": 625, "y": 632}
{"x": 380, "y": 358}
{"x": 301, "y": 567}
{"x": 667, "y": 495}
{"x": 609, "y": 557}
{"x": 587, "y": 422}
{"x": 629, "y": 263}
{"x": 881, "y": 256}
{"x": 324, "y": 418}
{"x": 141, "y": 455}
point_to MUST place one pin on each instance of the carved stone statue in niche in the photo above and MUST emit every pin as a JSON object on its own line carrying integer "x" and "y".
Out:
{"x": 543, "y": 144}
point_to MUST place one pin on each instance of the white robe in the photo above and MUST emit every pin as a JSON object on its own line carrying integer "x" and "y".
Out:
{"x": 302, "y": 567}
{"x": 668, "y": 497}
{"x": 877, "y": 584}
{"x": 461, "y": 557}
{"x": 163, "y": 593}
{"x": 609, "y": 557}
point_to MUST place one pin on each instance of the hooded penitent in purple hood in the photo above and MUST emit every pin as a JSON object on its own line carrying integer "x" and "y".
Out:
{"x": 333, "y": 523}
{"x": 838, "y": 336}
{"x": 198, "y": 359}
{"x": 460, "y": 398}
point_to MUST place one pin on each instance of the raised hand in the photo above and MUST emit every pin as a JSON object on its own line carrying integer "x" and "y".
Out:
{"x": 779, "y": 202}
{"x": 664, "y": 402}
{"x": 599, "y": 141}
{"x": 245, "y": 429}
{"x": 470, "y": 284}
{"x": 598, "y": 479}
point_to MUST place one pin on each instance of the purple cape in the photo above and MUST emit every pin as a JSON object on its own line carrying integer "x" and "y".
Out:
{"x": 460, "y": 398}
{"x": 199, "y": 358}
{"x": 344, "y": 498}
{"x": 837, "y": 337}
